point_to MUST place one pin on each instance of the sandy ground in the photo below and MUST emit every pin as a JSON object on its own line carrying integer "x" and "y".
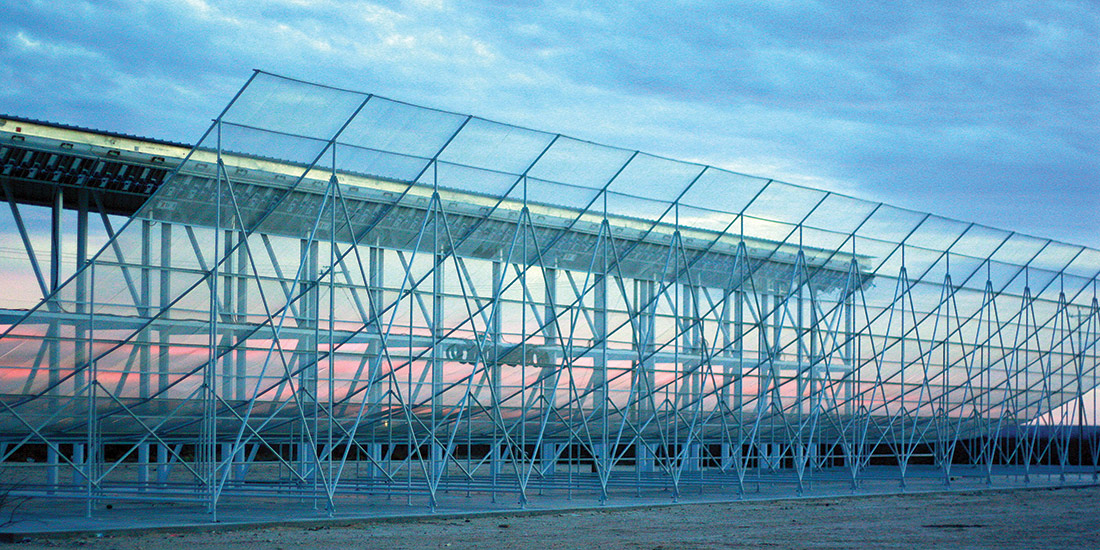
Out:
{"x": 1033, "y": 519}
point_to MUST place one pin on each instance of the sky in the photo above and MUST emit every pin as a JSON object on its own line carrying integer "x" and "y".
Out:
{"x": 979, "y": 111}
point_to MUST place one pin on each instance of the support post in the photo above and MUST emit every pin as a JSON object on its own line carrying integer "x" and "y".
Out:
{"x": 164, "y": 355}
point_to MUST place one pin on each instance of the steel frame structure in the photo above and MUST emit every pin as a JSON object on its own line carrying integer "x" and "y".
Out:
{"x": 335, "y": 294}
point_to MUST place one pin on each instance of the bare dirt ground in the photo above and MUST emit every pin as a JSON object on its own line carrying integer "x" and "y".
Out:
{"x": 1032, "y": 519}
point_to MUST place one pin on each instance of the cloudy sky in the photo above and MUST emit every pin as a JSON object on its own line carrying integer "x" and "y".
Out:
{"x": 987, "y": 113}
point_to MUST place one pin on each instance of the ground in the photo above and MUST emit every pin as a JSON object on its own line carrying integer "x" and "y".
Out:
{"x": 1032, "y": 519}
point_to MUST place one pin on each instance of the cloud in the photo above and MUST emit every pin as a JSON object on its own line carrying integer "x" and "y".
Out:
{"x": 979, "y": 113}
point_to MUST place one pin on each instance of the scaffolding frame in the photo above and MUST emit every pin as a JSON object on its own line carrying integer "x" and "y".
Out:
{"x": 337, "y": 295}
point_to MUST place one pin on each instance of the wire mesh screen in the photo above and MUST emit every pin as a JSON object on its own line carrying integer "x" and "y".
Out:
{"x": 332, "y": 276}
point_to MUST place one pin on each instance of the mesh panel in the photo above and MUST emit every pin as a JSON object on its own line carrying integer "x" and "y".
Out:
{"x": 398, "y": 273}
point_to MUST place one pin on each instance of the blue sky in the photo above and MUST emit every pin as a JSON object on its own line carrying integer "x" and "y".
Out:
{"x": 987, "y": 112}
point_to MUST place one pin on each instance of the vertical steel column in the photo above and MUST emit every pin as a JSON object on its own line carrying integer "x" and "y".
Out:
{"x": 851, "y": 362}
{"x": 51, "y": 468}
{"x": 228, "y": 383}
{"x": 330, "y": 347}
{"x": 770, "y": 400}
{"x": 601, "y": 390}
{"x": 692, "y": 385}
{"x": 521, "y": 449}
{"x": 164, "y": 364}
{"x": 551, "y": 361}
{"x": 725, "y": 343}
{"x": 801, "y": 373}
{"x": 241, "y": 374}
{"x": 985, "y": 401}
{"x": 308, "y": 325}
{"x": 903, "y": 293}
{"x": 80, "y": 356}
{"x": 145, "y": 360}
{"x": 816, "y": 372}
{"x": 207, "y": 452}
{"x": 849, "y": 357}
{"x": 763, "y": 369}
{"x": 437, "y": 332}
{"x": 92, "y": 452}
{"x": 644, "y": 372}
{"x": 493, "y": 344}
{"x": 53, "y": 330}
{"x": 143, "y": 466}
{"x": 740, "y": 303}
{"x": 376, "y": 295}
{"x": 56, "y": 212}
{"x": 737, "y": 371}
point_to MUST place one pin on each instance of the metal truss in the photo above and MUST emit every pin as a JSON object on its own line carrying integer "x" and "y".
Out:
{"x": 336, "y": 295}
